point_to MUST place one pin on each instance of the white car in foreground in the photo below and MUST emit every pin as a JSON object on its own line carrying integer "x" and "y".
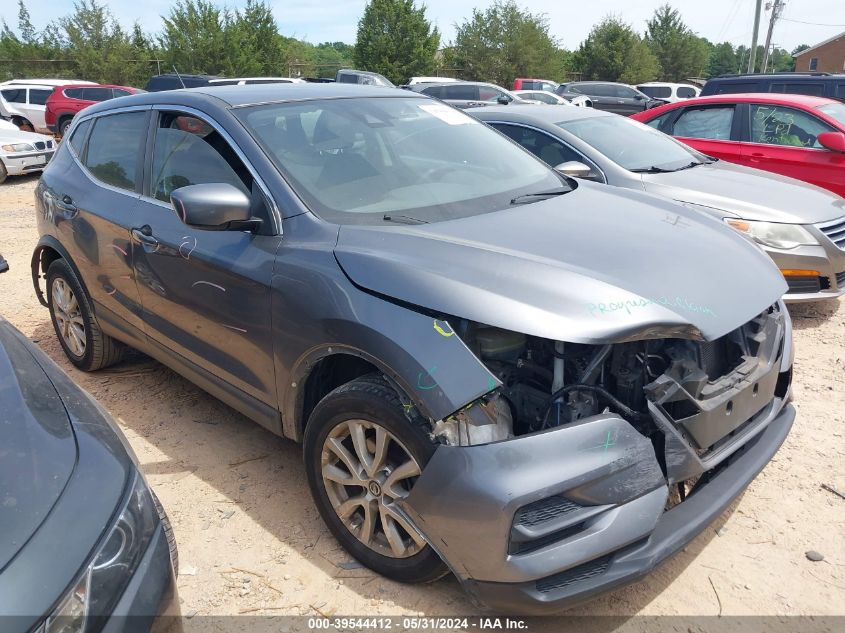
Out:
{"x": 23, "y": 152}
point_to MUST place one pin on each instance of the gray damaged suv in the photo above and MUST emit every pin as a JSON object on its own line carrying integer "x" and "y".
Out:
{"x": 544, "y": 386}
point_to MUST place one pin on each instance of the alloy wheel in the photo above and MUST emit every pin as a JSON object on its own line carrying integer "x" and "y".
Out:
{"x": 69, "y": 320}
{"x": 365, "y": 469}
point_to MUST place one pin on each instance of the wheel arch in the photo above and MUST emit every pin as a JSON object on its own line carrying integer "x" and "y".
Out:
{"x": 48, "y": 250}
{"x": 324, "y": 369}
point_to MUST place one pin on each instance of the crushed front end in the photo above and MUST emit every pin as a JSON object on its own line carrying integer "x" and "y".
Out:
{"x": 591, "y": 464}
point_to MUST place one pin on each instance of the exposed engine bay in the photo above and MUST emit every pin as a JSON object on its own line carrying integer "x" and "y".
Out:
{"x": 699, "y": 392}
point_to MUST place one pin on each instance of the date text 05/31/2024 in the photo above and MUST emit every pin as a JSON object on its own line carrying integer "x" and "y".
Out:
{"x": 410, "y": 623}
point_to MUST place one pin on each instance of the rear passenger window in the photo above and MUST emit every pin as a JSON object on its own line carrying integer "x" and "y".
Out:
{"x": 114, "y": 148}
{"x": 78, "y": 137}
{"x": 707, "y": 123}
{"x": 189, "y": 151}
{"x": 14, "y": 95}
{"x": 461, "y": 92}
{"x": 685, "y": 92}
{"x": 736, "y": 87}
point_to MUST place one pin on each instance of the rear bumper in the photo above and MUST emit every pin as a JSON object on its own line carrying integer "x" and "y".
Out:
{"x": 672, "y": 531}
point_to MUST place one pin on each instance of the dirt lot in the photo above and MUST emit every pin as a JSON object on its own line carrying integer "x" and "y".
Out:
{"x": 251, "y": 540}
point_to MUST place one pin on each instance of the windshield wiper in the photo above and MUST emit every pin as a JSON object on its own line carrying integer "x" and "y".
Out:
{"x": 403, "y": 219}
{"x": 530, "y": 197}
{"x": 651, "y": 170}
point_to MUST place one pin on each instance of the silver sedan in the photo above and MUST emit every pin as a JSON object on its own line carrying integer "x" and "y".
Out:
{"x": 802, "y": 227}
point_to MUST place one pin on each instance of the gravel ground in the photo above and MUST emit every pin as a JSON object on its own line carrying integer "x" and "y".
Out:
{"x": 251, "y": 540}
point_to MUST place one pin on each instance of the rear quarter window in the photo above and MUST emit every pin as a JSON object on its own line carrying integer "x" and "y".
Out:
{"x": 685, "y": 92}
{"x": 799, "y": 88}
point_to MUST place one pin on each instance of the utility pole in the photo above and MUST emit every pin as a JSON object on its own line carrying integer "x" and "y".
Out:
{"x": 777, "y": 7}
{"x": 753, "y": 55}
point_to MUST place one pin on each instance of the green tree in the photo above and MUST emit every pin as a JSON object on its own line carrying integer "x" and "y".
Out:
{"x": 723, "y": 60}
{"x": 504, "y": 42}
{"x": 679, "y": 51}
{"x": 99, "y": 47}
{"x": 254, "y": 47}
{"x": 614, "y": 52}
{"x": 396, "y": 40}
{"x": 194, "y": 39}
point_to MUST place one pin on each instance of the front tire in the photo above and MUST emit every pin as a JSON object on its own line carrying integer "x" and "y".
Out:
{"x": 362, "y": 453}
{"x": 80, "y": 336}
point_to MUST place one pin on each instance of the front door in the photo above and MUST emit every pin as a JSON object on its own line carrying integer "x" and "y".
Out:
{"x": 205, "y": 294}
{"x": 785, "y": 140}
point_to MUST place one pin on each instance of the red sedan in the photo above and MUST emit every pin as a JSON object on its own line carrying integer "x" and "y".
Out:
{"x": 65, "y": 101}
{"x": 794, "y": 135}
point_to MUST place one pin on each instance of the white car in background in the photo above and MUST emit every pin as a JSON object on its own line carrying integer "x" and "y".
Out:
{"x": 551, "y": 98}
{"x": 669, "y": 92}
{"x": 244, "y": 81}
{"x": 23, "y": 101}
{"x": 23, "y": 152}
{"x": 429, "y": 80}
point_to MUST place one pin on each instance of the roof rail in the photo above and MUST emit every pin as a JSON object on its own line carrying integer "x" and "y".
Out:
{"x": 790, "y": 73}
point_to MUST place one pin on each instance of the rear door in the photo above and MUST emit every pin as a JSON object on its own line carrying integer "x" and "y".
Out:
{"x": 93, "y": 201}
{"x": 784, "y": 140}
{"x": 35, "y": 107}
{"x": 205, "y": 294}
{"x": 628, "y": 100}
{"x": 711, "y": 129}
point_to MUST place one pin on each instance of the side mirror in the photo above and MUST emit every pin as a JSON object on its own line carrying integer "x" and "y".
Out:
{"x": 503, "y": 101}
{"x": 214, "y": 206}
{"x": 576, "y": 169}
{"x": 4, "y": 265}
{"x": 834, "y": 141}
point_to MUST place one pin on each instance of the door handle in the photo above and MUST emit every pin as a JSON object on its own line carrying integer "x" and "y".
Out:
{"x": 66, "y": 206}
{"x": 757, "y": 155}
{"x": 144, "y": 234}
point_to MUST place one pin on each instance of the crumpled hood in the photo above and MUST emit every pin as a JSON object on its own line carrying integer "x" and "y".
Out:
{"x": 748, "y": 193}
{"x": 37, "y": 447}
{"x": 592, "y": 266}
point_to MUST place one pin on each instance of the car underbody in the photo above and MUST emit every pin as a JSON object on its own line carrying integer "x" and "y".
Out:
{"x": 556, "y": 485}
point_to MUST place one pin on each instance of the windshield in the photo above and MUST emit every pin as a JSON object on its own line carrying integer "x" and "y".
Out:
{"x": 835, "y": 111}
{"x": 371, "y": 160}
{"x": 632, "y": 145}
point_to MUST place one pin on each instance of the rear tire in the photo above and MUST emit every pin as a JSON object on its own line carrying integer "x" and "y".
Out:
{"x": 3, "y": 172}
{"x": 80, "y": 336}
{"x": 361, "y": 453}
{"x": 64, "y": 124}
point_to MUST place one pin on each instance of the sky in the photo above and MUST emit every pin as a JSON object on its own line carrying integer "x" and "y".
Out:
{"x": 570, "y": 20}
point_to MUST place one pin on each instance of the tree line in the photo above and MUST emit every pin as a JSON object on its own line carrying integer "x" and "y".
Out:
{"x": 394, "y": 38}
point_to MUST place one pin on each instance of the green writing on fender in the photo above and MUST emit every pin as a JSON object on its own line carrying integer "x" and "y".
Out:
{"x": 597, "y": 309}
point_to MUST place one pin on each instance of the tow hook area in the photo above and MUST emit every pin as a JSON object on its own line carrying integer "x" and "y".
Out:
{"x": 534, "y": 505}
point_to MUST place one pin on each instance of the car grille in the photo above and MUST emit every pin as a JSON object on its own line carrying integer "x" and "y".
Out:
{"x": 577, "y": 574}
{"x": 802, "y": 285}
{"x": 835, "y": 231}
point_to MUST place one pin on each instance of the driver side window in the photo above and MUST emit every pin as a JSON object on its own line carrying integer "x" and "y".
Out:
{"x": 189, "y": 151}
{"x": 778, "y": 125}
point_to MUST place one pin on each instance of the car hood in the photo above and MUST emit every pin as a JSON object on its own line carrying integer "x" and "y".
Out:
{"x": 37, "y": 450}
{"x": 19, "y": 136}
{"x": 592, "y": 266}
{"x": 748, "y": 193}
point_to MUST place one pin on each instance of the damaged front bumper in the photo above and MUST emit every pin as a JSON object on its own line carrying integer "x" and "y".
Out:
{"x": 538, "y": 524}
{"x": 541, "y": 522}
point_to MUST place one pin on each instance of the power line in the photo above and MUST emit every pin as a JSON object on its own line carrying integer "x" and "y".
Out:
{"x": 810, "y": 23}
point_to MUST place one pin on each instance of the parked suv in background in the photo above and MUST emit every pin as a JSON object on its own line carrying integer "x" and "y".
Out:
{"x": 246, "y": 81}
{"x": 548, "y": 85}
{"x": 813, "y": 84}
{"x": 669, "y": 92}
{"x": 67, "y": 100}
{"x": 494, "y": 369}
{"x": 609, "y": 96}
{"x": 24, "y": 101}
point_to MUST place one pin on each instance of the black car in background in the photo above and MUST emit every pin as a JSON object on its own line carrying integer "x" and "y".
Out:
{"x": 172, "y": 81}
{"x": 85, "y": 544}
{"x": 813, "y": 84}
{"x": 612, "y": 97}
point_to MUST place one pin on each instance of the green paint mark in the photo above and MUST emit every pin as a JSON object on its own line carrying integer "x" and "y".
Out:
{"x": 430, "y": 374}
{"x": 608, "y": 442}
